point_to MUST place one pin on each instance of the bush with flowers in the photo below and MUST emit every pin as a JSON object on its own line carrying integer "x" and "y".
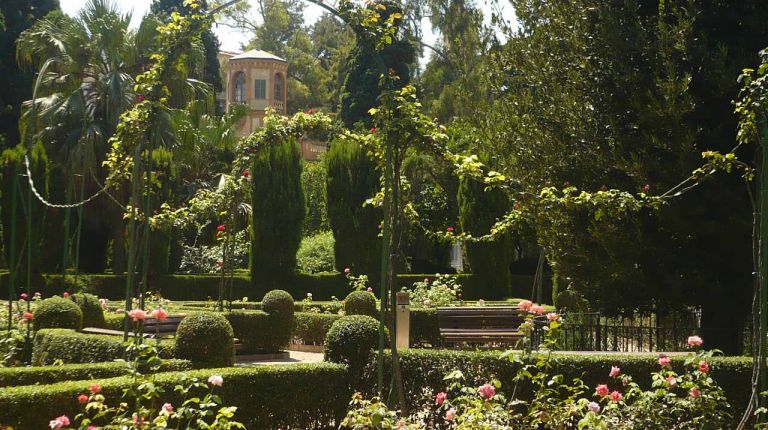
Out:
{"x": 541, "y": 397}
{"x": 443, "y": 290}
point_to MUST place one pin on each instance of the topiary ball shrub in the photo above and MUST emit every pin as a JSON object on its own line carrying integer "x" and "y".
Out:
{"x": 93, "y": 314}
{"x": 57, "y": 312}
{"x": 350, "y": 341}
{"x": 360, "y": 303}
{"x": 206, "y": 339}
{"x": 278, "y": 302}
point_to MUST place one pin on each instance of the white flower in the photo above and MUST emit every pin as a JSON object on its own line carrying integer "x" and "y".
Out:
{"x": 216, "y": 380}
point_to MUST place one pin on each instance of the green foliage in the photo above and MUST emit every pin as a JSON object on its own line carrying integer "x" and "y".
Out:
{"x": 278, "y": 210}
{"x": 309, "y": 396}
{"x": 17, "y": 376}
{"x": 159, "y": 250}
{"x": 316, "y": 253}
{"x": 93, "y": 314}
{"x": 260, "y": 332}
{"x": 312, "y": 327}
{"x": 353, "y": 178}
{"x": 443, "y": 290}
{"x": 360, "y": 303}
{"x": 206, "y": 339}
{"x": 62, "y": 345}
{"x": 278, "y": 303}
{"x": 313, "y": 179}
{"x": 351, "y": 340}
{"x": 57, "y": 312}
{"x": 479, "y": 209}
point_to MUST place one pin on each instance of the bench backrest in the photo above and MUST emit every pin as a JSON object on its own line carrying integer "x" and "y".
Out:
{"x": 169, "y": 325}
{"x": 484, "y": 317}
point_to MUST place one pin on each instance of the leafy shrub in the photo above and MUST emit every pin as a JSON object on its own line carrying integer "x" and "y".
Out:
{"x": 312, "y": 327}
{"x": 93, "y": 314}
{"x": 57, "y": 312}
{"x": 360, "y": 303}
{"x": 206, "y": 339}
{"x": 443, "y": 290}
{"x": 68, "y": 346}
{"x": 15, "y": 376}
{"x": 279, "y": 303}
{"x": 259, "y": 331}
{"x": 350, "y": 341}
{"x": 316, "y": 253}
{"x": 301, "y": 396}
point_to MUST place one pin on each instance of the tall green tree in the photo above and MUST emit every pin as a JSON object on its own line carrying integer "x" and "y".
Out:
{"x": 277, "y": 216}
{"x": 353, "y": 178}
{"x": 18, "y": 15}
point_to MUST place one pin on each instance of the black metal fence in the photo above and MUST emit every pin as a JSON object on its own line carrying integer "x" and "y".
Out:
{"x": 649, "y": 332}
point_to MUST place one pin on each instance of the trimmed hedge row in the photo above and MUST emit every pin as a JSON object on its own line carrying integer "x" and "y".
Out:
{"x": 312, "y": 327}
{"x": 15, "y": 376}
{"x": 260, "y": 332}
{"x": 69, "y": 346}
{"x": 301, "y": 396}
{"x": 427, "y": 368}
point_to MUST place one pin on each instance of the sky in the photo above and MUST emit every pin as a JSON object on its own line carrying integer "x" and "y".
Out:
{"x": 233, "y": 40}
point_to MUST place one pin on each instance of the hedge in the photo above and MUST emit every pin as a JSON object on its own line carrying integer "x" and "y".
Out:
{"x": 300, "y": 396}
{"x": 15, "y": 376}
{"x": 259, "y": 332}
{"x": 312, "y": 327}
{"x": 427, "y": 368}
{"x": 51, "y": 345}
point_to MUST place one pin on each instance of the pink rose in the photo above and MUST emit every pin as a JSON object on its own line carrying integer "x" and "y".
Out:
{"x": 695, "y": 393}
{"x": 216, "y": 380}
{"x": 160, "y": 314}
{"x": 672, "y": 381}
{"x": 703, "y": 367}
{"x": 62, "y": 421}
{"x": 694, "y": 341}
{"x": 602, "y": 390}
{"x": 537, "y": 310}
{"x": 95, "y": 388}
{"x": 347, "y": 270}
{"x": 82, "y": 399}
{"x": 525, "y": 305}
{"x": 167, "y": 408}
{"x": 450, "y": 229}
{"x": 66, "y": 296}
{"x": 23, "y": 296}
{"x": 137, "y": 315}
{"x": 664, "y": 360}
{"x": 28, "y": 316}
{"x": 487, "y": 391}
{"x": 615, "y": 371}
{"x": 552, "y": 317}
{"x": 593, "y": 407}
{"x": 440, "y": 398}
{"x": 616, "y": 396}
{"x": 221, "y": 227}
{"x": 450, "y": 414}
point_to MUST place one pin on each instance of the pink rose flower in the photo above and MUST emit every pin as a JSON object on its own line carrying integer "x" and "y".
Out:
{"x": 62, "y": 421}
{"x": 221, "y": 227}
{"x": 602, "y": 390}
{"x": 216, "y": 380}
{"x": 347, "y": 270}
{"x": 160, "y": 314}
{"x": 28, "y": 316}
{"x": 616, "y": 396}
{"x": 694, "y": 341}
{"x": 450, "y": 414}
{"x": 66, "y": 295}
{"x": 672, "y": 381}
{"x": 440, "y": 398}
{"x": 593, "y": 407}
{"x": 137, "y": 315}
{"x": 82, "y": 399}
{"x": 525, "y": 305}
{"x": 450, "y": 229}
{"x": 537, "y": 310}
{"x": 664, "y": 360}
{"x": 615, "y": 371}
{"x": 23, "y": 296}
{"x": 92, "y": 428}
{"x": 695, "y": 393}
{"x": 167, "y": 408}
{"x": 487, "y": 391}
{"x": 552, "y": 317}
{"x": 703, "y": 367}
{"x": 95, "y": 388}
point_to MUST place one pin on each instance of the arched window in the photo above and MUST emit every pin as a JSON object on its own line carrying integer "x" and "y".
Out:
{"x": 278, "y": 87}
{"x": 239, "y": 96}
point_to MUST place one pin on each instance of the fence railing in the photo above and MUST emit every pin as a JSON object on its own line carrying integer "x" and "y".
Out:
{"x": 638, "y": 333}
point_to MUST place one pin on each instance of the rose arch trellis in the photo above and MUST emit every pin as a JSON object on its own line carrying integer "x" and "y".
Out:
{"x": 401, "y": 125}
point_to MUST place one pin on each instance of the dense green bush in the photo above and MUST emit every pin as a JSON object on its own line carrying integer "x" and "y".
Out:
{"x": 351, "y": 340}
{"x": 427, "y": 368}
{"x": 277, "y": 210}
{"x": 313, "y": 178}
{"x": 360, "y": 303}
{"x": 57, "y": 312}
{"x": 206, "y": 339}
{"x": 68, "y": 346}
{"x": 299, "y": 396}
{"x": 316, "y": 253}
{"x": 278, "y": 303}
{"x": 479, "y": 209}
{"x": 352, "y": 179}
{"x": 15, "y": 376}
{"x": 260, "y": 332}
{"x": 312, "y": 327}
{"x": 93, "y": 314}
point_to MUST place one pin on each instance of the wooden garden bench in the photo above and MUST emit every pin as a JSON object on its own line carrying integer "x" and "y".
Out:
{"x": 152, "y": 328}
{"x": 485, "y": 324}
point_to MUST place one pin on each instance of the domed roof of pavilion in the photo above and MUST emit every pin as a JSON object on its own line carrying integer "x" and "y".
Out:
{"x": 257, "y": 54}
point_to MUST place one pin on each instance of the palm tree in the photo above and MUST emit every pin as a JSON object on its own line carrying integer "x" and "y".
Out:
{"x": 92, "y": 60}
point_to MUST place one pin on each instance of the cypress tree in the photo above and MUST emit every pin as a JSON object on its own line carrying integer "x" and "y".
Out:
{"x": 352, "y": 179}
{"x": 277, "y": 217}
{"x": 479, "y": 209}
